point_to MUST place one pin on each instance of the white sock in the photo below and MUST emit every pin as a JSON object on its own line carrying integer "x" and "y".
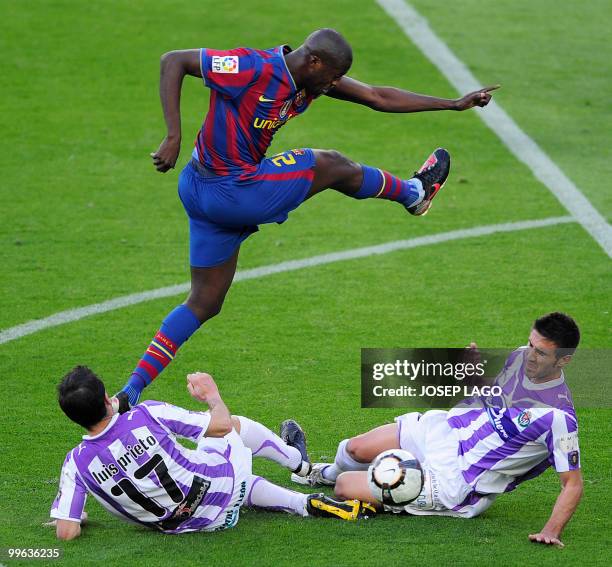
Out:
{"x": 331, "y": 472}
{"x": 264, "y": 443}
{"x": 343, "y": 462}
{"x": 264, "y": 494}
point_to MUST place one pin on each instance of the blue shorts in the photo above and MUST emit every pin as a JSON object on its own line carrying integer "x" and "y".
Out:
{"x": 225, "y": 210}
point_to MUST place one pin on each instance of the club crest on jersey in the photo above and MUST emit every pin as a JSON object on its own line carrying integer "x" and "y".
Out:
{"x": 299, "y": 98}
{"x": 225, "y": 64}
{"x": 524, "y": 419}
{"x": 572, "y": 458}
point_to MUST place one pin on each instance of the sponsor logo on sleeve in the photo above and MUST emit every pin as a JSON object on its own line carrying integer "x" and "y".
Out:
{"x": 569, "y": 443}
{"x": 225, "y": 64}
{"x": 572, "y": 458}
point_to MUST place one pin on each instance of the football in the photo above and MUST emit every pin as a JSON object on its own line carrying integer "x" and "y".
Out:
{"x": 395, "y": 477}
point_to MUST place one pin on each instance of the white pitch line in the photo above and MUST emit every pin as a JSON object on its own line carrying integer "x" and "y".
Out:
{"x": 518, "y": 142}
{"x": 72, "y": 315}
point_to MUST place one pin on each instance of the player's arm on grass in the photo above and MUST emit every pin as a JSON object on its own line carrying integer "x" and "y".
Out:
{"x": 173, "y": 68}
{"x": 202, "y": 387}
{"x": 68, "y": 507}
{"x": 391, "y": 99}
{"x": 567, "y": 501}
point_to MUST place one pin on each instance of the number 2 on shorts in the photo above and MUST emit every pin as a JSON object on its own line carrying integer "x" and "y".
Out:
{"x": 287, "y": 159}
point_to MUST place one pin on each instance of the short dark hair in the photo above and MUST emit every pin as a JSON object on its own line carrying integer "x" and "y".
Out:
{"x": 561, "y": 329}
{"x": 81, "y": 396}
{"x": 332, "y": 48}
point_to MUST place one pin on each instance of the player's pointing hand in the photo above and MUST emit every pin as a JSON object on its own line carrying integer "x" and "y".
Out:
{"x": 477, "y": 98}
{"x": 167, "y": 154}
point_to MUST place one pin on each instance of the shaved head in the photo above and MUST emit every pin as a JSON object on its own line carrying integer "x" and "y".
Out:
{"x": 333, "y": 50}
{"x": 320, "y": 62}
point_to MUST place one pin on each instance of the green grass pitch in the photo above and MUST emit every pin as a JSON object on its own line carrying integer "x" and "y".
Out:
{"x": 86, "y": 218}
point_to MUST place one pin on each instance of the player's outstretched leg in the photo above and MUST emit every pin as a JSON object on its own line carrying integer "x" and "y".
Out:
{"x": 335, "y": 171}
{"x": 268, "y": 496}
{"x": 208, "y": 289}
{"x": 353, "y": 454}
{"x": 264, "y": 494}
{"x": 266, "y": 444}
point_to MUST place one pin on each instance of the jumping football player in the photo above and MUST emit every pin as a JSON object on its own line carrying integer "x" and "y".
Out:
{"x": 470, "y": 455}
{"x": 229, "y": 187}
{"x": 134, "y": 466}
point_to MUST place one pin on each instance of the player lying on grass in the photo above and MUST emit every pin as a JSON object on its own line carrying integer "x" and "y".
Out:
{"x": 135, "y": 467}
{"x": 470, "y": 455}
{"x": 229, "y": 187}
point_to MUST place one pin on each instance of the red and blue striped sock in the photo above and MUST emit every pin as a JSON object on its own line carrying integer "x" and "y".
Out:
{"x": 176, "y": 328}
{"x": 380, "y": 184}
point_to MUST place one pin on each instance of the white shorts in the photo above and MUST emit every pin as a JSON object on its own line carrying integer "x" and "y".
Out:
{"x": 241, "y": 459}
{"x": 430, "y": 439}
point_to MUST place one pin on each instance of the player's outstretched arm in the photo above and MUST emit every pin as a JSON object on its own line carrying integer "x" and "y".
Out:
{"x": 202, "y": 387}
{"x": 566, "y": 504}
{"x": 173, "y": 68}
{"x": 391, "y": 99}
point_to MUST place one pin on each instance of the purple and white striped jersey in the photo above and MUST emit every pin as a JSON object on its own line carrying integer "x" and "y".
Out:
{"x": 138, "y": 470}
{"x": 506, "y": 440}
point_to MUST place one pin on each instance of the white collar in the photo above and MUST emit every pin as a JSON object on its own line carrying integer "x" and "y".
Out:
{"x": 109, "y": 425}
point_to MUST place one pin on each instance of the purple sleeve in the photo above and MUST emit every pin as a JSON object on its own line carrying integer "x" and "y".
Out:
{"x": 562, "y": 442}
{"x": 188, "y": 424}
{"x": 72, "y": 495}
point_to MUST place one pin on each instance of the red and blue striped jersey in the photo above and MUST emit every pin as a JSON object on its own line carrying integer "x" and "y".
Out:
{"x": 252, "y": 94}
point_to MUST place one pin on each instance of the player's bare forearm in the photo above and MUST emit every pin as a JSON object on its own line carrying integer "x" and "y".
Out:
{"x": 391, "y": 99}
{"x": 203, "y": 388}
{"x": 174, "y": 66}
{"x": 220, "y": 418}
{"x": 565, "y": 506}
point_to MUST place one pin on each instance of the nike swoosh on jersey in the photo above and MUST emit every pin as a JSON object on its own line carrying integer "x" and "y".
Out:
{"x": 262, "y": 98}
